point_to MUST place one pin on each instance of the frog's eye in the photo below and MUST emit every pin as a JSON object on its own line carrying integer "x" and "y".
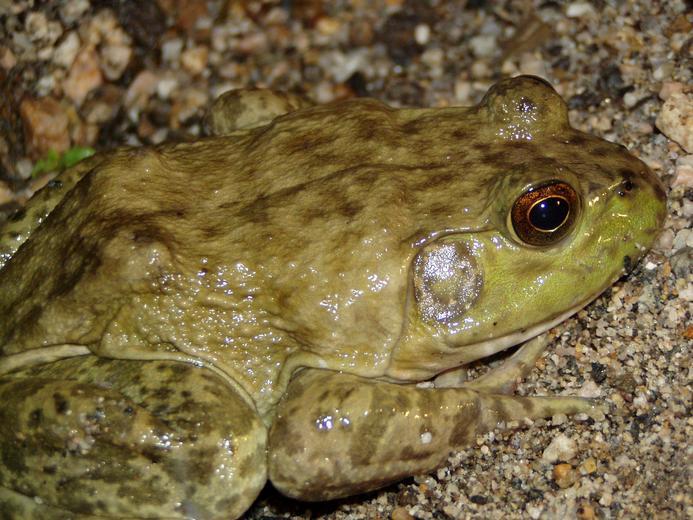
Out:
{"x": 543, "y": 214}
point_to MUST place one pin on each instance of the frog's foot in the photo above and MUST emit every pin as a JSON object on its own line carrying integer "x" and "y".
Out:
{"x": 504, "y": 378}
{"x": 131, "y": 439}
{"x": 501, "y": 408}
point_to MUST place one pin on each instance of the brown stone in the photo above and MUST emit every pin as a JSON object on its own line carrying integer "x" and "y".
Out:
{"x": 85, "y": 75}
{"x": 585, "y": 511}
{"x": 400, "y": 513}
{"x": 564, "y": 475}
{"x": 45, "y": 125}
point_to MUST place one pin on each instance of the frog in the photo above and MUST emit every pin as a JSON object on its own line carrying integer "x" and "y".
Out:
{"x": 295, "y": 299}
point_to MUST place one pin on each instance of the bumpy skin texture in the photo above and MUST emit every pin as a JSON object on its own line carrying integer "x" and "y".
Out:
{"x": 280, "y": 279}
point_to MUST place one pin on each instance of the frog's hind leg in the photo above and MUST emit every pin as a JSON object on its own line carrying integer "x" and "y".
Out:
{"x": 15, "y": 505}
{"x": 337, "y": 434}
{"x": 134, "y": 439}
{"x": 502, "y": 379}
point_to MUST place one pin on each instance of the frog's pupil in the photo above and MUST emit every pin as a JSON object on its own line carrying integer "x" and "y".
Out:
{"x": 549, "y": 213}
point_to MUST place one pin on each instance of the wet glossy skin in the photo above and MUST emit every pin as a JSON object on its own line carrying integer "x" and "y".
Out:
{"x": 251, "y": 303}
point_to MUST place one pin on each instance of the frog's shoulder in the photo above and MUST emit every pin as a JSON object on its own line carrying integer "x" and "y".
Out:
{"x": 245, "y": 109}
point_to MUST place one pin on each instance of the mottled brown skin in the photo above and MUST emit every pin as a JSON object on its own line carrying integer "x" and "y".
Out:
{"x": 285, "y": 277}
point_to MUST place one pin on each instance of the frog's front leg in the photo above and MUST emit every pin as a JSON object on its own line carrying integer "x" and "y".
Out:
{"x": 133, "y": 439}
{"x": 337, "y": 435}
{"x": 504, "y": 378}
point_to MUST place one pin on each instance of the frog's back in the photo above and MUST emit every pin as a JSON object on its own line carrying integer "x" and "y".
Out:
{"x": 298, "y": 233}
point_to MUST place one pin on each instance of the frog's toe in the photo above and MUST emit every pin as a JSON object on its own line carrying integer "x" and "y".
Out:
{"x": 497, "y": 408}
{"x": 131, "y": 439}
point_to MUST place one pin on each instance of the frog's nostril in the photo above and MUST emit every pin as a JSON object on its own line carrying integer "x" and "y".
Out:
{"x": 625, "y": 187}
{"x": 628, "y": 264}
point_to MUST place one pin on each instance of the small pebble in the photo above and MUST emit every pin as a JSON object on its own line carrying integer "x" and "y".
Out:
{"x": 484, "y": 45}
{"x": 683, "y": 175}
{"x": 585, "y": 512}
{"x": 422, "y": 33}
{"x": 141, "y": 89}
{"x": 683, "y": 238}
{"x": 73, "y": 10}
{"x": 166, "y": 86}
{"x": 564, "y": 475}
{"x": 558, "y": 419}
{"x": 65, "y": 53}
{"x": 114, "y": 60}
{"x": 578, "y": 9}
{"x": 328, "y": 26}
{"x": 6, "y": 194}
{"x": 588, "y": 466}
{"x": 171, "y": 50}
{"x": 85, "y": 75}
{"x": 400, "y": 513}
{"x": 46, "y": 124}
{"x": 561, "y": 448}
{"x": 195, "y": 60}
{"x": 7, "y": 58}
{"x": 675, "y": 120}
{"x": 670, "y": 87}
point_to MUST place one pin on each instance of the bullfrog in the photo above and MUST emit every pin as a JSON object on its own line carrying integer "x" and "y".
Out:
{"x": 294, "y": 298}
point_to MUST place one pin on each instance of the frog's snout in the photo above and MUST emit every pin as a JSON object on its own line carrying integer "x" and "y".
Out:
{"x": 639, "y": 201}
{"x": 628, "y": 264}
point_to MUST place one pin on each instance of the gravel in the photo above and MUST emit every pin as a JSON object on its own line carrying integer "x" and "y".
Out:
{"x": 113, "y": 72}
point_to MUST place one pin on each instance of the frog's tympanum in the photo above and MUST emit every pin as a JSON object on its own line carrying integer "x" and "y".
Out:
{"x": 180, "y": 324}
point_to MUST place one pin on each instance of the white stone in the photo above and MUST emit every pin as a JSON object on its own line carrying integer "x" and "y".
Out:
{"x": 171, "y": 49}
{"x": 683, "y": 175}
{"x": 578, "y": 9}
{"x": 422, "y": 33}
{"x": 66, "y": 52}
{"x": 561, "y": 448}
{"x": 683, "y": 238}
{"x": 675, "y": 120}
{"x": 483, "y": 45}
{"x": 590, "y": 389}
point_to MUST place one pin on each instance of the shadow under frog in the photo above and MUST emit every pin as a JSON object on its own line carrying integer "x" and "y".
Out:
{"x": 180, "y": 323}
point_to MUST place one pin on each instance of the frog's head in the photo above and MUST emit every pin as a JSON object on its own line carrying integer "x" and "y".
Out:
{"x": 567, "y": 215}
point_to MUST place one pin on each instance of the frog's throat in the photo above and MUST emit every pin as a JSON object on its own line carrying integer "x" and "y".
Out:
{"x": 493, "y": 346}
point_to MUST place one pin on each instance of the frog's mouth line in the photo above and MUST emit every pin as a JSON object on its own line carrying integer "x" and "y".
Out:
{"x": 493, "y": 346}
